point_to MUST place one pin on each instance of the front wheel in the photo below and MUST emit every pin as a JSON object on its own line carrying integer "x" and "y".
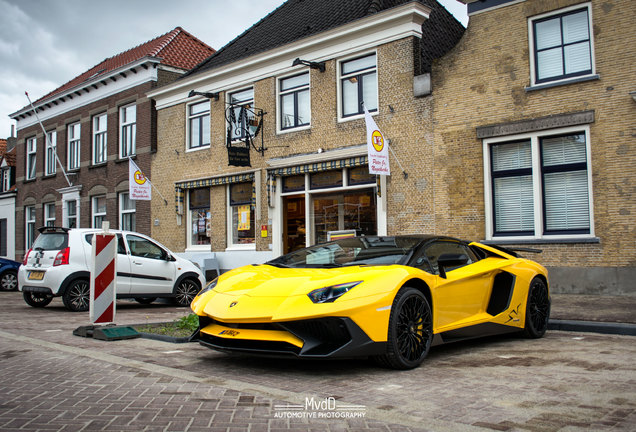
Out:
{"x": 537, "y": 309}
{"x": 410, "y": 330}
{"x": 185, "y": 292}
{"x": 36, "y": 300}
{"x": 77, "y": 296}
{"x": 9, "y": 281}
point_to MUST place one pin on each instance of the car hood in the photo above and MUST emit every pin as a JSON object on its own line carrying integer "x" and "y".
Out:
{"x": 263, "y": 292}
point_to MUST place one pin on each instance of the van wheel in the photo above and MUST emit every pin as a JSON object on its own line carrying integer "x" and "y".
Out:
{"x": 145, "y": 300}
{"x": 186, "y": 291}
{"x": 36, "y": 300}
{"x": 77, "y": 296}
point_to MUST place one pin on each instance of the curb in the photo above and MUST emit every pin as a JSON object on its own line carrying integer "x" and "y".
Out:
{"x": 164, "y": 338}
{"x": 624, "y": 329}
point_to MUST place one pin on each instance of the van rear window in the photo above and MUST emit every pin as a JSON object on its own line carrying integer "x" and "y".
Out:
{"x": 51, "y": 241}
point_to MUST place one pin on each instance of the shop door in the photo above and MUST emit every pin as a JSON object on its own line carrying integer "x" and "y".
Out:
{"x": 294, "y": 230}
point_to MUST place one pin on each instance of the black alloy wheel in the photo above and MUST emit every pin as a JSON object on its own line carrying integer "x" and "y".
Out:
{"x": 36, "y": 300}
{"x": 537, "y": 309}
{"x": 9, "y": 281}
{"x": 76, "y": 298}
{"x": 185, "y": 292}
{"x": 410, "y": 330}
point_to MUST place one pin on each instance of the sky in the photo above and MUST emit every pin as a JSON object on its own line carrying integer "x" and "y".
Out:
{"x": 46, "y": 43}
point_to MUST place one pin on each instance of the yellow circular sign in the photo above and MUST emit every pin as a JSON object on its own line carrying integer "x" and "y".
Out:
{"x": 377, "y": 140}
{"x": 139, "y": 178}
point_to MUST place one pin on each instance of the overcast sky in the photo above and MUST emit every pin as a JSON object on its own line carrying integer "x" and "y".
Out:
{"x": 46, "y": 43}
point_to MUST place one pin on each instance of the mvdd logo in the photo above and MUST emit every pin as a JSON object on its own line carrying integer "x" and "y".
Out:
{"x": 318, "y": 405}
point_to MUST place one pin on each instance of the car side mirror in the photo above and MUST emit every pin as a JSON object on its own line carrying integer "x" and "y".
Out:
{"x": 450, "y": 260}
{"x": 169, "y": 257}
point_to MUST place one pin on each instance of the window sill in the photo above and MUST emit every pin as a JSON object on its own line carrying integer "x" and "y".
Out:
{"x": 48, "y": 176}
{"x": 562, "y": 82}
{"x": 98, "y": 165}
{"x": 292, "y": 130}
{"x": 120, "y": 160}
{"x": 195, "y": 149}
{"x": 245, "y": 247}
{"x": 547, "y": 241}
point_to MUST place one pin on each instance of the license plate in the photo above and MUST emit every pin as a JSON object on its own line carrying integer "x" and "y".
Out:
{"x": 36, "y": 275}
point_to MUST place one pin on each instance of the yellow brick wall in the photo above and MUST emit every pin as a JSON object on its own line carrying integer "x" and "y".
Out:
{"x": 482, "y": 82}
{"x": 405, "y": 121}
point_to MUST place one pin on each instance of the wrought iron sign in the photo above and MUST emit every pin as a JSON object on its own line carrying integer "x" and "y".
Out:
{"x": 244, "y": 124}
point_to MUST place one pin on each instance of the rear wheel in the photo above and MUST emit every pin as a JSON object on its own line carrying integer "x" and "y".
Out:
{"x": 36, "y": 300}
{"x": 410, "y": 330}
{"x": 537, "y": 309}
{"x": 145, "y": 300}
{"x": 9, "y": 281}
{"x": 77, "y": 296}
{"x": 186, "y": 291}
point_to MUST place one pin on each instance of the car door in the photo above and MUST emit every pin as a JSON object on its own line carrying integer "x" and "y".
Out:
{"x": 123, "y": 263}
{"x": 150, "y": 270}
{"x": 462, "y": 295}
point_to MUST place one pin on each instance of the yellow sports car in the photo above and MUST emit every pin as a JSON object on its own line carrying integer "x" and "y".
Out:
{"x": 390, "y": 298}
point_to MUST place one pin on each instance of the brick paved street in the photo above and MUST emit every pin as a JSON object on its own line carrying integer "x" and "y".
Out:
{"x": 52, "y": 380}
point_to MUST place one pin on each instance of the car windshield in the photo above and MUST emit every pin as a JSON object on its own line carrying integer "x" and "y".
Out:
{"x": 350, "y": 252}
{"x": 51, "y": 241}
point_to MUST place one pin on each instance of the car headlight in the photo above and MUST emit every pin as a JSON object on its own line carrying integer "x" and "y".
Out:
{"x": 331, "y": 293}
{"x": 208, "y": 287}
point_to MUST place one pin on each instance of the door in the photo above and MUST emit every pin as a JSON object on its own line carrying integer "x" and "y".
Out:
{"x": 294, "y": 230}
{"x": 463, "y": 294}
{"x": 150, "y": 270}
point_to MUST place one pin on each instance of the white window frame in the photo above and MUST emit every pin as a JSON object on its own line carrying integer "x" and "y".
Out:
{"x": 531, "y": 41}
{"x": 197, "y": 117}
{"x": 123, "y": 212}
{"x": 230, "y": 226}
{"x": 31, "y": 158}
{"x": 6, "y": 179}
{"x": 189, "y": 245}
{"x": 340, "y": 77}
{"x": 100, "y": 138}
{"x": 74, "y": 133}
{"x": 538, "y": 204}
{"x": 49, "y": 216}
{"x": 49, "y": 154}
{"x": 249, "y": 102}
{"x": 95, "y": 213}
{"x": 29, "y": 226}
{"x": 279, "y": 106}
{"x": 127, "y": 128}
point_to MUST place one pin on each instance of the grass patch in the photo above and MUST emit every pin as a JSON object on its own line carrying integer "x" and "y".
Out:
{"x": 183, "y": 327}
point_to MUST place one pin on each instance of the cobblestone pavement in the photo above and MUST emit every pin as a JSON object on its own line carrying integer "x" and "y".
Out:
{"x": 52, "y": 380}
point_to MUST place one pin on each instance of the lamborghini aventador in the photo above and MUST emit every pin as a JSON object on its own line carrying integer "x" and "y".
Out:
{"x": 389, "y": 298}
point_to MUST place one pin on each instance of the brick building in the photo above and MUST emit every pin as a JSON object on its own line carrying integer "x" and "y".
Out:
{"x": 307, "y": 66}
{"x": 534, "y": 120}
{"x": 7, "y": 197}
{"x": 94, "y": 123}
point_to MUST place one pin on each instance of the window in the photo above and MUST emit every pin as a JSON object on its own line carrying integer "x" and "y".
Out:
{"x": 127, "y": 211}
{"x": 294, "y": 101}
{"x": 127, "y": 131}
{"x": 98, "y": 210}
{"x": 31, "y": 150}
{"x": 199, "y": 226}
{"x": 240, "y": 120}
{"x": 141, "y": 247}
{"x": 358, "y": 84}
{"x": 29, "y": 216}
{"x": 199, "y": 125}
{"x": 3, "y": 237}
{"x": 49, "y": 214}
{"x": 74, "y": 146}
{"x": 241, "y": 214}
{"x": 6, "y": 179}
{"x": 100, "y": 150}
{"x": 71, "y": 214}
{"x": 561, "y": 45}
{"x": 428, "y": 262}
{"x": 49, "y": 156}
{"x": 540, "y": 186}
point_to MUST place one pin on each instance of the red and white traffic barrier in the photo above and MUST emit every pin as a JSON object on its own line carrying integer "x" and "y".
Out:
{"x": 103, "y": 278}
